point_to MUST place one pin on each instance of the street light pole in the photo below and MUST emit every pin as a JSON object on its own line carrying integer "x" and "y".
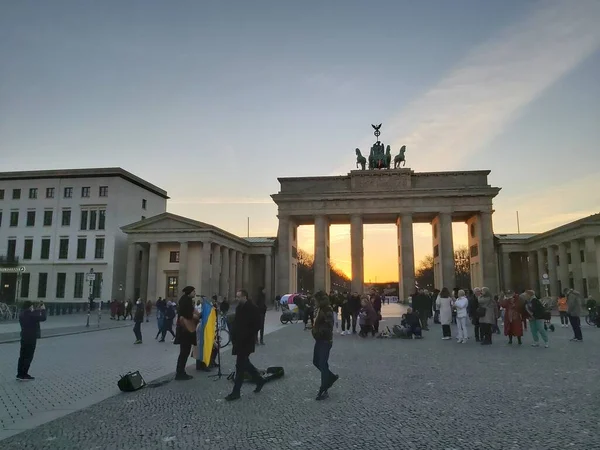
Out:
{"x": 91, "y": 276}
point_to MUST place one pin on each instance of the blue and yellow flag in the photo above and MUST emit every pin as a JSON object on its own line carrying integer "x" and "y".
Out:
{"x": 206, "y": 332}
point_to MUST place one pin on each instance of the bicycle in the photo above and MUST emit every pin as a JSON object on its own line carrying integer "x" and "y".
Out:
{"x": 592, "y": 318}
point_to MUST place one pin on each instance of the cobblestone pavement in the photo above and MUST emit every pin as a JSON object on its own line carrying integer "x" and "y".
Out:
{"x": 63, "y": 326}
{"x": 392, "y": 394}
{"x": 74, "y": 372}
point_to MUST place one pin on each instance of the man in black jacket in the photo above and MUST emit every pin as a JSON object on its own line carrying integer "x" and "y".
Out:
{"x": 29, "y": 319}
{"x": 243, "y": 338}
{"x": 322, "y": 332}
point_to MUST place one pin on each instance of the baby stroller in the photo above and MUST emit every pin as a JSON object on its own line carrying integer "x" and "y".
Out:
{"x": 288, "y": 315}
{"x": 548, "y": 304}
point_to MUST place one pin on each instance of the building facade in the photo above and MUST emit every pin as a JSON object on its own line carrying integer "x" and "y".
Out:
{"x": 58, "y": 225}
{"x": 168, "y": 252}
{"x": 549, "y": 262}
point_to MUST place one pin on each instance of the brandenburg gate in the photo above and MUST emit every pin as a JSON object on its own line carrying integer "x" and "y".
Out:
{"x": 388, "y": 195}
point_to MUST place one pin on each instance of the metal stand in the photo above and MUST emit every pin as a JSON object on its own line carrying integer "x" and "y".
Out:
{"x": 219, "y": 374}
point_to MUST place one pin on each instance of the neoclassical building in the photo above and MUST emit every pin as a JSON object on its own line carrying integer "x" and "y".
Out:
{"x": 566, "y": 256}
{"x": 168, "y": 252}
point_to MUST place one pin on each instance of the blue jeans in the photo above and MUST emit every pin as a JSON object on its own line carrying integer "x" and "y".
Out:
{"x": 321, "y": 362}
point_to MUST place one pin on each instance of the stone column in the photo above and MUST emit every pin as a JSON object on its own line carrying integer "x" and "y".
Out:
{"x": 239, "y": 274}
{"x": 591, "y": 268}
{"x": 269, "y": 279}
{"x": 284, "y": 261}
{"x": 447, "y": 251}
{"x": 321, "y": 254}
{"x": 144, "y": 275}
{"x": 246, "y": 272}
{"x": 563, "y": 266}
{"x": 232, "y": 274}
{"x": 406, "y": 256}
{"x": 488, "y": 257}
{"x": 215, "y": 277}
{"x": 357, "y": 253}
{"x": 576, "y": 266}
{"x": 130, "y": 272}
{"x": 541, "y": 270}
{"x": 152, "y": 270}
{"x": 506, "y": 272}
{"x": 206, "y": 269}
{"x": 225, "y": 277}
{"x": 532, "y": 271}
{"x": 183, "y": 265}
{"x": 552, "y": 271}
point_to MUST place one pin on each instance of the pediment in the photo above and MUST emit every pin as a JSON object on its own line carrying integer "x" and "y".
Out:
{"x": 166, "y": 222}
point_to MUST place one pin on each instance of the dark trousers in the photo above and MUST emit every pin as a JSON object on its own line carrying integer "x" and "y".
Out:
{"x": 424, "y": 316}
{"x": 354, "y": 317}
{"x": 486, "y": 332}
{"x": 414, "y": 330}
{"x": 576, "y": 325}
{"x": 321, "y": 362}
{"x": 476, "y": 329}
{"x": 243, "y": 366}
{"x": 137, "y": 330}
{"x": 446, "y": 331}
{"x": 309, "y": 314}
{"x": 376, "y": 327}
{"x": 365, "y": 330}
{"x": 167, "y": 327}
{"x": 564, "y": 318}
{"x": 26, "y": 356}
{"x": 261, "y": 333}
{"x": 184, "y": 354}
{"x": 345, "y": 321}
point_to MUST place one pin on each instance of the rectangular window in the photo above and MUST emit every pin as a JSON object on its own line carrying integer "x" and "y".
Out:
{"x": 31, "y": 218}
{"x": 0, "y": 218}
{"x": 174, "y": 257}
{"x": 144, "y": 203}
{"x": 61, "y": 281}
{"x": 81, "y": 248}
{"x": 14, "y": 218}
{"x": 582, "y": 255}
{"x": 84, "y": 219}
{"x": 25, "y": 279}
{"x": 16, "y": 194}
{"x": 78, "y": 292}
{"x": 45, "y": 253}
{"x": 33, "y": 193}
{"x": 11, "y": 249}
{"x": 49, "y": 192}
{"x": 172, "y": 287}
{"x": 85, "y": 191}
{"x": 48, "y": 218}
{"x": 93, "y": 215}
{"x": 103, "y": 191}
{"x": 63, "y": 248}
{"x": 97, "y": 285}
{"x": 569, "y": 259}
{"x": 99, "y": 252}
{"x": 1, "y": 194}
{"x": 42, "y": 285}
{"x": 68, "y": 192}
{"x": 101, "y": 219}
{"x": 28, "y": 249}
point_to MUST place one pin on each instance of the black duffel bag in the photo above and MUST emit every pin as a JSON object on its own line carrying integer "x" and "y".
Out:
{"x": 131, "y": 382}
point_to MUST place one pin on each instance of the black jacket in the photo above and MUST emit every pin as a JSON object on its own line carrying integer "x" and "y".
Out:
{"x": 246, "y": 324}
{"x": 354, "y": 304}
{"x": 185, "y": 308}
{"x": 322, "y": 329}
{"x": 30, "y": 323}
{"x": 261, "y": 302}
{"x": 411, "y": 321}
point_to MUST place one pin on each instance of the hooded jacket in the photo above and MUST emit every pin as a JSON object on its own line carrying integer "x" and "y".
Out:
{"x": 322, "y": 329}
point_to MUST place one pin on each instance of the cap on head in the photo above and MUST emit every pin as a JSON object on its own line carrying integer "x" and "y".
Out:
{"x": 188, "y": 290}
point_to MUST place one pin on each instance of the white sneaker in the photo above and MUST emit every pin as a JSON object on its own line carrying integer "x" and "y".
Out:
{"x": 535, "y": 345}
{"x": 546, "y": 345}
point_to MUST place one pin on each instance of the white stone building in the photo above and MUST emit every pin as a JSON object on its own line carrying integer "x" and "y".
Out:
{"x": 56, "y": 225}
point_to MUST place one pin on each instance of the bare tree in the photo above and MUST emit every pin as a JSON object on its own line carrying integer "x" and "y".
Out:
{"x": 424, "y": 275}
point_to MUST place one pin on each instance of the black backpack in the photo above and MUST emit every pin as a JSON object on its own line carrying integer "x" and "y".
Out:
{"x": 131, "y": 382}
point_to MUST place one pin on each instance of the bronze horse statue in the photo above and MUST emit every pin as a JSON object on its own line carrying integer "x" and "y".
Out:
{"x": 400, "y": 158}
{"x": 360, "y": 160}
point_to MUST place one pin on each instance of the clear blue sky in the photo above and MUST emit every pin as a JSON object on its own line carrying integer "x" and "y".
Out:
{"x": 214, "y": 100}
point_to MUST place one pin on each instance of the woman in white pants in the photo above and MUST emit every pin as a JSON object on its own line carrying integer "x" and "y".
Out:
{"x": 461, "y": 304}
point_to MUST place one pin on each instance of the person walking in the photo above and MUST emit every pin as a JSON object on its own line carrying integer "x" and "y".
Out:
{"x": 574, "y": 307}
{"x": 148, "y": 309}
{"x": 137, "y": 321}
{"x": 322, "y": 332}
{"x": 487, "y": 319}
{"x": 563, "y": 310}
{"x": 161, "y": 306}
{"x": 261, "y": 303}
{"x": 185, "y": 331}
{"x": 29, "y": 320}
{"x": 246, "y": 325}
{"x": 536, "y": 313}
{"x": 167, "y": 322}
{"x": 345, "y": 309}
{"x": 444, "y": 305}
{"x": 461, "y": 304}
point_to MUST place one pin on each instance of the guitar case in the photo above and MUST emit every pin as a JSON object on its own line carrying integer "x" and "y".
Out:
{"x": 270, "y": 374}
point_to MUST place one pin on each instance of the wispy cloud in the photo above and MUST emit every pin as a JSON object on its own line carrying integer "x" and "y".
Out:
{"x": 222, "y": 201}
{"x": 475, "y": 101}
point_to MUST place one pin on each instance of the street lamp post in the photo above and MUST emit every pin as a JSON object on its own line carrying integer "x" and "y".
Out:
{"x": 91, "y": 277}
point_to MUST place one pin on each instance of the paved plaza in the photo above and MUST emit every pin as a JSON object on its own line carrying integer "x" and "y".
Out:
{"x": 427, "y": 394}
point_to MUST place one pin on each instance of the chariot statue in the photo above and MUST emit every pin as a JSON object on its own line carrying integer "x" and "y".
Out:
{"x": 380, "y": 156}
